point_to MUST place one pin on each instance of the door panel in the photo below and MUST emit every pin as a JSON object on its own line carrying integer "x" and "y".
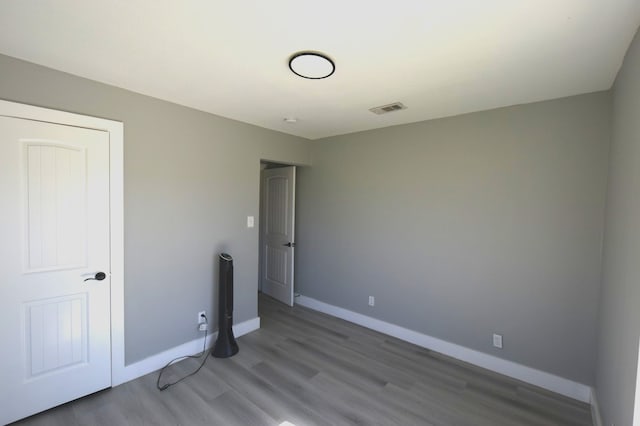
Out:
{"x": 54, "y": 326}
{"x": 278, "y": 213}
{"x": 55, "y": 190}
{"x": 276, "y": 265}
{"x": 277, "y": 205}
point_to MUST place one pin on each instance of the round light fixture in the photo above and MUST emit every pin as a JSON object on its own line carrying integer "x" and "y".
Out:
{"x": 311, "y": 65}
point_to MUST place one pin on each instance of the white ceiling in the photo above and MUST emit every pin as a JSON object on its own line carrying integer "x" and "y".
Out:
{"x": 439, "y": 58}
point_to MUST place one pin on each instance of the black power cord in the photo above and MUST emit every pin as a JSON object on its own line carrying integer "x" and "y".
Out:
{"x": 180, "y": 358}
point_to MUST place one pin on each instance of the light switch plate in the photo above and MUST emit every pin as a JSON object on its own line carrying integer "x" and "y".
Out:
{"x": 497, "y": 341}
{"x": 250, "y": 221}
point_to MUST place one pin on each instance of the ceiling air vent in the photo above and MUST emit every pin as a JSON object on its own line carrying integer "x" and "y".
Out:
{"x": 396, "y": 106}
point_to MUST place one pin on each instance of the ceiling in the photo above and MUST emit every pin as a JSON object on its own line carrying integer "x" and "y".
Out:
{"x": 230, "y": 58}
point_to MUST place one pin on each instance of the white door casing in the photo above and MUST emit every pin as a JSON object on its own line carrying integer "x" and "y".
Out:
{"x": 61, "y": 222}
{"x": 277, "y": 228}
{"x": 636, "y": 408}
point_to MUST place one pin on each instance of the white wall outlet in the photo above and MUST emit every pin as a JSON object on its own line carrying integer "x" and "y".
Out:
{"x": 203, "y": 327}
{"x": 497, "y": 340}
{"x": 201, "y": 319}
{"x": 250, "y": 222}
{"x": 372, "y": 301}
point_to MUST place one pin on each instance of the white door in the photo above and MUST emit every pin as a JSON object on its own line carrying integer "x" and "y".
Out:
{"x": 277, "y": 228}
{"x": 54, "y": 228}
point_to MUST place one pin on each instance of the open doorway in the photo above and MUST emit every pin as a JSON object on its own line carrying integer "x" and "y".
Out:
{"x": 277, "y": 231}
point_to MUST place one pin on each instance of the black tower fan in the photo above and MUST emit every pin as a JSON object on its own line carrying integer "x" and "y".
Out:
{"x": 225, "y": 345}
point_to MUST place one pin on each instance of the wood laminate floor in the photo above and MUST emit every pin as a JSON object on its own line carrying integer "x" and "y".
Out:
{"x": 306, "y": 368}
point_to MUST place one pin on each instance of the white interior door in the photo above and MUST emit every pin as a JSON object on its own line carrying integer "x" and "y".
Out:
{"x": 54, "y": 223}
{"x": 277, "y": 228}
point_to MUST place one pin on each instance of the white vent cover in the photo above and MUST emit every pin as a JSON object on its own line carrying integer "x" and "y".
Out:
{"x": 396, "y": 106}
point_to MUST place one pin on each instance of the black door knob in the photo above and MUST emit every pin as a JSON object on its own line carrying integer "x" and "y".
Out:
{"x": 289, "y": 244}
{"x": 98, "y": 277}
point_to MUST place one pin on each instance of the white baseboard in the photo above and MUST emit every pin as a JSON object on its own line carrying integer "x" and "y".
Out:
{"x": 530, "y": 375}
{"x": 155, "y": 362}
{"x": 595, "y": 409}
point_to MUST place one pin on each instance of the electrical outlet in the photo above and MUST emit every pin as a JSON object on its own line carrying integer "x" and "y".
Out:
{"x": 372, "y": 301}
{"x": 203, "y": 327}
{"x": 201, "y": 319}
{"x": 497, "y": 340}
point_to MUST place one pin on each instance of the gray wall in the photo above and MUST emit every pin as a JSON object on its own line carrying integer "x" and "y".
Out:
{"x": 620, "y": 305}
{"x": 191, "y": 179}
{"x": 493, "y": 219}
{"x": 466, "y": 226}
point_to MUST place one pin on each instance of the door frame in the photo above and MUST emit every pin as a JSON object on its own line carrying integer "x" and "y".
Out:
{"x": 115, "y": 129}
{"x": 636, "y": 405}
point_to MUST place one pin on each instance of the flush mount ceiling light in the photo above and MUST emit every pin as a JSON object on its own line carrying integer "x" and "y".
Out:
{"x": 311, "y": 65}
